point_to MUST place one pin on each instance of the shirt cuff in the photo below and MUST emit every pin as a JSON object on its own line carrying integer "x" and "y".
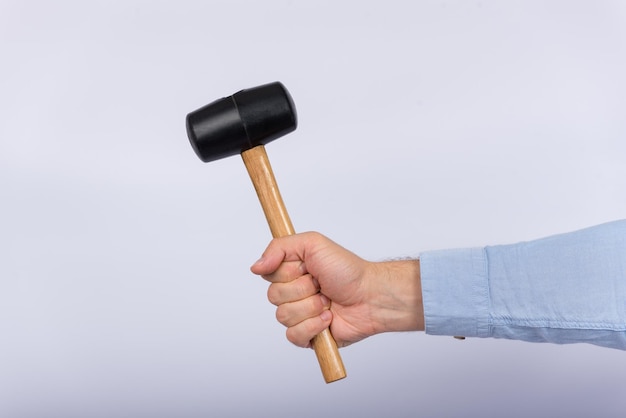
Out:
{"x": 455, "y": 292}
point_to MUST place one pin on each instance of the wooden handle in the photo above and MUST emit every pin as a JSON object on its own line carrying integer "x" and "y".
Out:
{"x": 262, "y": 176}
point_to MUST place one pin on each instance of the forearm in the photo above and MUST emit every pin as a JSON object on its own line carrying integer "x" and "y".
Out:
{"x": 565, "y": 288}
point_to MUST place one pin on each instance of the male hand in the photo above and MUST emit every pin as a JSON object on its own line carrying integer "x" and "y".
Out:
{"x": 315, "y": 283}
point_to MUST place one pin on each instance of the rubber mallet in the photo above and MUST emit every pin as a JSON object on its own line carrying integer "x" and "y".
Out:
{"x": 243, "y": 124}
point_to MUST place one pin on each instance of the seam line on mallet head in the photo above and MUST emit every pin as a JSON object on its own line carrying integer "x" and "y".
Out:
{"x": 243, "y": 122}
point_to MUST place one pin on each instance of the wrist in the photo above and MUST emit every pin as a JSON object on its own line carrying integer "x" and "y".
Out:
{"x": 397, "y": 296}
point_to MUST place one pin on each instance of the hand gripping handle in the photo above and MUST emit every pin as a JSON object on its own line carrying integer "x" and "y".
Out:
{"x": 262, "y": 177}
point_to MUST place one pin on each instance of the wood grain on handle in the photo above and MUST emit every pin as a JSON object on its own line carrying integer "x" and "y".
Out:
{"x": 262, "y": 177}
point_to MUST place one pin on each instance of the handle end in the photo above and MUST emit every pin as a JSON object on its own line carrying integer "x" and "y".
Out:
{"x": 328, "y": 356}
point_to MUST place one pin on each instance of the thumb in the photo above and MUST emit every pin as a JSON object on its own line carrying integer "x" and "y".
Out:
{"x": 288, "y": 248}
{"x": 265, "y": 265}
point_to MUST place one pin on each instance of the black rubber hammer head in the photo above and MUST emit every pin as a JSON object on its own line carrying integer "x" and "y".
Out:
{"x": 248, "y": 118}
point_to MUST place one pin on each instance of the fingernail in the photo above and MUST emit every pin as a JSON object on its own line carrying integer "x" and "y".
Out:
{"x": 302, "y": 269}
{"x": 326, "y": 315}
{"x": 325, "y": 301}
{"x": 259, "y": 262}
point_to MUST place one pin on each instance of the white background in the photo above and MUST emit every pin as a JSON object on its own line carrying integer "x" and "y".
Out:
{"x": 124, "y": 281}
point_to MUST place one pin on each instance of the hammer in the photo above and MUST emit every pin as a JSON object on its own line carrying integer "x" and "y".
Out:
{"x": 243, "y": 124}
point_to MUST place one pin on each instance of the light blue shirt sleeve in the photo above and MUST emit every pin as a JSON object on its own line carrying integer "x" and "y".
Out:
{"x": 566, "y": 288}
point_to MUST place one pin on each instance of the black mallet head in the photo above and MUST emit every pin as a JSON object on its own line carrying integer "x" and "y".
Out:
{"x": 234, "y": 124}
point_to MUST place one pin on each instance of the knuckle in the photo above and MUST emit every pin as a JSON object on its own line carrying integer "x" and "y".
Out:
{"x": 317, "y": 304}
{"x": 314, "y": 237}
{"x": 313, "y": 327}
{"x": 300, "y": 290}
{"x": 283, "y": 316}
{"x": 294, "y": 337}
{"x": 273, "y": 295}
{"x": 302, "y": 334}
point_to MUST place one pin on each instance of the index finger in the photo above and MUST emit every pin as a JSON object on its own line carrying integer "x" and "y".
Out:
{"x": 286, "y": 272}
